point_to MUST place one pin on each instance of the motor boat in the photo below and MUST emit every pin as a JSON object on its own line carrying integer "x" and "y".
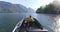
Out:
{"x": 29, "y": 26}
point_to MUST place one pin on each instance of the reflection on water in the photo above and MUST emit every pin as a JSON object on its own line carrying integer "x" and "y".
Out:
{"x": 48, "y": 21}
{"x": 57, "y": 24}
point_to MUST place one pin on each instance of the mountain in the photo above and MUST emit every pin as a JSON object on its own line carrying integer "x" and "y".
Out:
{"x": 31, "y": 10}
{"x": 6, "y": 7}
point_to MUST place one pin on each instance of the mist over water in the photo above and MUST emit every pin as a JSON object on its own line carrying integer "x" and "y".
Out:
{"x": 9, "y": 20}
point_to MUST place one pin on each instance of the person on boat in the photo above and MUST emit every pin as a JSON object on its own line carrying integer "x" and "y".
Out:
{"x": 32, "y": 21}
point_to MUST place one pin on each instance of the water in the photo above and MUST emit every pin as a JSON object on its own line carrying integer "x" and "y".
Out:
{"x": 9, "y": 20}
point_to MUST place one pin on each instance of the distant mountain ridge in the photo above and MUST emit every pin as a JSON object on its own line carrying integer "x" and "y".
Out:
{"x": 6, "y": 7}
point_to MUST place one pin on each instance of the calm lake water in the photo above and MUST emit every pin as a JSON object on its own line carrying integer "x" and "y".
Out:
{"x": 9, "y": 20}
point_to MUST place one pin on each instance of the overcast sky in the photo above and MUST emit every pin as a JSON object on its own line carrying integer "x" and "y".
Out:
{"x": 30, "y": 3}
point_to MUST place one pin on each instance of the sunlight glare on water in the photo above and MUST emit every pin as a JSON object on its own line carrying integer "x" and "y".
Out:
{"x": 58, "y": 25}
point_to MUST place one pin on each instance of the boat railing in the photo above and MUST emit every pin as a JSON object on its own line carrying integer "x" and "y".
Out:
{"x": 18, "y": 25}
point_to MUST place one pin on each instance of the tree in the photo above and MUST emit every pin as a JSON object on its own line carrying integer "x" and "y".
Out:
{"x": 49, "y": 9}
{"x": 41, "y": 9}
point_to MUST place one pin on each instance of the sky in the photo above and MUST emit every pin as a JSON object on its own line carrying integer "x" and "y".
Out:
{"x": 34, "y": 4}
